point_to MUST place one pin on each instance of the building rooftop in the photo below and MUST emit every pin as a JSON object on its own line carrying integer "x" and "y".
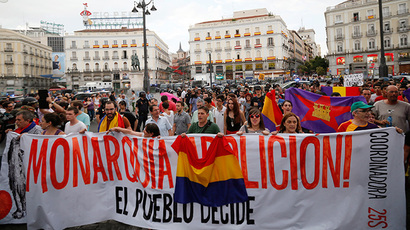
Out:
{"x": 124, "y": 29}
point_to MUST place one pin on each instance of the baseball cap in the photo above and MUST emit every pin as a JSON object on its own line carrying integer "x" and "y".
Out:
{"x": 359, "y": 105}
{"x": 257, "y": 88}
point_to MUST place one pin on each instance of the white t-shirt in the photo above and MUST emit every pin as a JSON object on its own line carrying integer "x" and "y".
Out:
{"x": 219, "y": 117}
{"x": 74, "y": 128}
{"x": 170, "y": 117}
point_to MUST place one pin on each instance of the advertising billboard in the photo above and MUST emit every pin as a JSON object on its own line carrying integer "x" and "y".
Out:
{"x": 58, "y": 64}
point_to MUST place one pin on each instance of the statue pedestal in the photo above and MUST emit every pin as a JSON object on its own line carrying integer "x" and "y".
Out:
{"x": 137, "y": 80}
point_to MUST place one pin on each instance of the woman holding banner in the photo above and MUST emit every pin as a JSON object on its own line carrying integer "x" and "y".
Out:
{"x": 290, "y": 124}
{"x": 255, "y": 124}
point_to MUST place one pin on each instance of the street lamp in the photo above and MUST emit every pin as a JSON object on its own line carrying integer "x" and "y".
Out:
{"x": 210, "y": 69}
{"x": 142, "y": 5}
{"x": 383, "y": 66}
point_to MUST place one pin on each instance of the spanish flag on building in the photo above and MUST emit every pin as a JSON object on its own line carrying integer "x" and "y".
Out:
{"x": 214, "y": 180}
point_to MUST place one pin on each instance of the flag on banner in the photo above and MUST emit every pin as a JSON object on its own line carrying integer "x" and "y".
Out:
{"x": 321, "y": 114}
{"x": 344, "y": 91}
{"x": 271, "y": 114}
{"x": 214, "y": 180}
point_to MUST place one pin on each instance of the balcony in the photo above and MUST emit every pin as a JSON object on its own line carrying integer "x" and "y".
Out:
{"x": 372, "y": 48}
{"x": 8, "y": 49}
{"x": 403, "y": 29}
{"x": 357, "y": 35}
{"x": 86, "y": 46}
{"x": 115, "y": 58}
{"x": 106, "y": 58}
{"x": 388, "y": 31}
{"x": 197, "y": 50}
{"x": 87, "y": 71}
{"x": 73, "y": 47}
{"x": 106, "y": 70}
{"x": 208, "y": 49}
{"x": 371, "y": 33}
{"x": 402, "y": 11}
{"x": 248, "y": 47}
{"x": 88, "y": 79}
{"x": 271, "y": 45}
{"x": 339, "y": 37}
{"x": 97, "y": 70}
{"x": 75, "y": 78}
{"x": 238, "y": 47}
{"x": 107, "y": 78}
{"x": 386, "y": 14}
{"x": 86, "y": 58}
{"x": 97, "y": 78}
{"x": 25, "y": 51}
{"x": 124, "y": 57}
{"x": 228, "y": 48}
{"x": 125, "y": 69}
{"x": 9, "y": 62}
{"x": 389, "y": 47}
{"x": 218, "y": 49}
{"x": 74, "y": 59}
{"x": 96, "y": 58}
{"x": 25, "y": 62}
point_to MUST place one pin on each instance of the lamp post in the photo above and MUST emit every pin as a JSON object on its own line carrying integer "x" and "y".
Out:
{"x": 383, "y": 66}
{"x": 210, "y": 69}
{"x": 143, "y": 5}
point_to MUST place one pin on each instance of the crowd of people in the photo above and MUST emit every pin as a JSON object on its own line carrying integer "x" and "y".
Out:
{"x": 233, "y": 110}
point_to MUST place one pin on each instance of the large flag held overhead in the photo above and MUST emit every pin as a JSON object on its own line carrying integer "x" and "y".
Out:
{"x": 321, "y": 114}
{"x": 344, "y": 91}
{"x": 214, "y": 180}
{"x": 271, "y": 114}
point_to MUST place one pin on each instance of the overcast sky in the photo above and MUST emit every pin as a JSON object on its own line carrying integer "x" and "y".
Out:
{"x": 173, "y": 17}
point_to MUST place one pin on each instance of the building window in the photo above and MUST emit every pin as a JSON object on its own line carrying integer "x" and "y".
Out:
{"x": 357, "y": 45}
{"x": 270, "y": 41}
{"x": 387, "y": 42}
{"x": 96, "y": 43}
{"x": 116, "y": 65}
{"x": 105, "y": 42}
{"x": 238, "y": 56}
{"x": 124, "y": 42}
{"x": 402, "y": 8}
{"x": 115, "y": 42}
{"x": 358, "y": 59}
{"x": 238, "y": 43}
{"x": 106, "y": 66}
{"x": 124, "y": 54}
{"x": 338, "y": 19}
{"x": 269, "y": 28}
{"x": 106, "y": 54}
{"x": 248, "y": 54}
{"x": 74, "y": 54}
{"x": 87, "y": 54}
{"x": 198, "y": 69}
{"x": 246, "y": 30}
{"x": 97, "y": 66}
{"x": 339, "y": 47}
{"x": 372, "y": 44}
{"x": 218, "y": 33}
{"x": 258, "y": 53}
{"x": 270, "y": 52}
{"x": 227, "y": 32}
{"x": 97, "y": 54}
{"x": 386, "y": 11}
{"x": 133, "y": 41}
{"x": 371, "y": 28}
{"x": 257, "y": 29}
{"x": 218, "y": 45}
{"x": 356, "y": 17}
{"x": 87, "y": 66}
{"x": 403, "y": 40}
{"x": 228, "y": 45}
{"x": 228, "y": 55}
{"x": 370, "y": 13}
{"x": 124, "y": 65}
{"x": 237, "y": 32}
{"x": 218, "y": 56}
{"x": 258, "y": 41}
{"x": 356, "y": 30}
{"x": 248, "y": 43}
{"x": 208, "y": 34}
{"x": 386, "y": 26}
{"x": 198, "y": 58}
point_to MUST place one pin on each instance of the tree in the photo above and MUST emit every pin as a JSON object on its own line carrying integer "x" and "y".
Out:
{"x": 312, "y": 66}
{"x": 320, "y": 70}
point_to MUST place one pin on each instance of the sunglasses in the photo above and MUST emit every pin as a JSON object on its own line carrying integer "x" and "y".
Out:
{"x": 254, "y": 116}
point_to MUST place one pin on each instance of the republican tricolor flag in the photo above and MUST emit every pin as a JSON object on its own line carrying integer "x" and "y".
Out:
{"x": 214, "y": 180}
{"x": 271, "y": 114}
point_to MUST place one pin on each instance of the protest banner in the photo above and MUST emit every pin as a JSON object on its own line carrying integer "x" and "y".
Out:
{"x": 349, "y": 180}
{"x": 353, "y": 80}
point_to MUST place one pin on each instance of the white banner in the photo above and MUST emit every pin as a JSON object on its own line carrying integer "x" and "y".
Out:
{"x": 353, "y": 80}
{"x": 335, "y": 181}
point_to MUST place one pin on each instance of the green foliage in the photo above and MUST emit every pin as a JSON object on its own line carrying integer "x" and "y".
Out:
{"x": 317, "y": 65}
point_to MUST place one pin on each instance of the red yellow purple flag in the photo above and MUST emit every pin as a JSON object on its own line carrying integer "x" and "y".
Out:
{"x": 214, "y": 180}
{"x": 272, "y": 116}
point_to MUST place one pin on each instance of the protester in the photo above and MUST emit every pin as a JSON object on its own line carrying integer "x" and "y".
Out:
{"x": 112, "y": 119}
{"x": 366, "y": 93}
{"x": 199, "y": 103}
{"x": 398, "y": 111}
{"x": 290, "y": 124}
{"x": 234, "y": 118}
{"x": 248, "y": 104}
{"x": 172, "y": 106}
{"x": 258, "y": 99}
{"x": 203, "y": 125}
{"x": 377, "y": 90}
{"x": 126, "y": 113}
{"x": 133, "y": 100}
{"x": 50, "y": 123}
{"x": 74, "y": 125}
{"x": 287, "y": 107}
{"x": 361, "y": 113}
{"x": 150, "y": 130}
{"x": 383, "y": 95}
{"x": 142, "y": 105}
{"x": 219, "y": 111}
{"x": 193, "y": 102}
{"x": 89, "y": 104}
{"x": 163, "y": 124}
{"x": 255, "y": 124}
{"x": 169, "y": 114}
{"x": 182, "y": 121}
{"x": 83, "y": 117}
{"x": 25, "y": 123}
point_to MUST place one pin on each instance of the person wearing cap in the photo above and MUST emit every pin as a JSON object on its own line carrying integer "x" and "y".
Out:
{"x": 361, "y": 114}
{"x": 258, "y": 99}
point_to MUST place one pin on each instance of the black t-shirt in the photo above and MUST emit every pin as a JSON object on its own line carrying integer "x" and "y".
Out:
{"x": 130, "y": 117}
{"x": 142, "y": 105}
{"x": 259, "y": 100}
